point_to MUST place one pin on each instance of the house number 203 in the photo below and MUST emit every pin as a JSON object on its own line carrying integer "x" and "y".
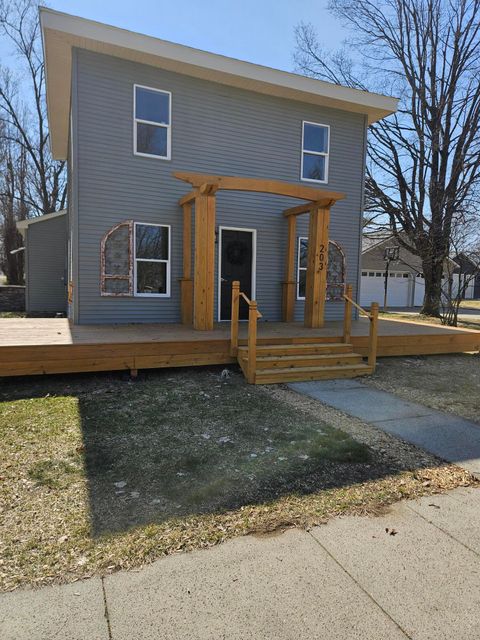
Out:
{"x": 321, "y": 263}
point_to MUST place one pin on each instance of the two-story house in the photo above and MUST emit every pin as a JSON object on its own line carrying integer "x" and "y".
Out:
{"x": 128, "y": 112}
{"x": 190, "y": 171}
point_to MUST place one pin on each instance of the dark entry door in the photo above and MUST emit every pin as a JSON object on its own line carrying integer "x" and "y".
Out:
{"x": 236, "y": 264}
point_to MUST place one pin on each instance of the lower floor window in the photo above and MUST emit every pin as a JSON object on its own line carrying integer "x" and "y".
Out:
{"x": 335, "y": 270}
{"x": 135, "y": 260}
{"x": 152, "y": 260}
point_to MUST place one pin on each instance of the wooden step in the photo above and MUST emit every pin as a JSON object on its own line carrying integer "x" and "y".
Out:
{"x": 313, "y": 360}
{"x": 299, "y": 349}
{"x": 275, "y": 376}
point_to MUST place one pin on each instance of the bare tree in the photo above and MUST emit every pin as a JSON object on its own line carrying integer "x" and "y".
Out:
{"x": 423, "y": 168}
{"x": 31, "y": 182}
{"x": 13, "y": 208}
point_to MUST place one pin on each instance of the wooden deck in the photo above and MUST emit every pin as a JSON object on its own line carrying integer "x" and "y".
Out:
{"x": 48, "y": 345}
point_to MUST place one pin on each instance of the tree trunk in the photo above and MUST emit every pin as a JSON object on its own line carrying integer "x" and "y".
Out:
{"x": 432, "y": 272}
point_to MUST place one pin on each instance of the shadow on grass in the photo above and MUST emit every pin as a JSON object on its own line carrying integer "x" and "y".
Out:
{"x": 177, "y": 443}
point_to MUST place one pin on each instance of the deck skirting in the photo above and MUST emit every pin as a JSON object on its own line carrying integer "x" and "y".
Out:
{"x": 50, "y": 346}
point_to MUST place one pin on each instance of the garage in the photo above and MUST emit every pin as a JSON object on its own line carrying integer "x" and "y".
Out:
{"x": 399, "y": 290}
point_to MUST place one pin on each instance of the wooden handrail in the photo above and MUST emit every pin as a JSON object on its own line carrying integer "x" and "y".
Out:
{"x": 372, "y": 315}
{"x": 253, "y": 315}
{"x": 249, "y": 302}
{"x": 361, "y": 309}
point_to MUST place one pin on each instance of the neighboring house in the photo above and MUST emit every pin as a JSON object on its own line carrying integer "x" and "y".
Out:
{"x": 129, "y": 111}
{"x": 406, "y": 284}
{"x": 468, "y": 272}
{"x": 45, "y": 241}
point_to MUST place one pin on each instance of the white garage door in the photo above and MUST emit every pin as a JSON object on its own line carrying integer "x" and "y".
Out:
{"x": 419, "y": 292}
{"x": 373, "y": 285}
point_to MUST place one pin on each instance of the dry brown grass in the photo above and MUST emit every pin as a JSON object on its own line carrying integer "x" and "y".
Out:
{"x": 448, "y": 382}
{"x": 91, "y": 478}
{"x": 470, "y": 304}
{"x": 422, "y": 319}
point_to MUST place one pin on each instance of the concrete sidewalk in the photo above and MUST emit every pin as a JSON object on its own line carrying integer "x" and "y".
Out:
{"x": 445, "y": 435}
{"x": 349, "y": 579}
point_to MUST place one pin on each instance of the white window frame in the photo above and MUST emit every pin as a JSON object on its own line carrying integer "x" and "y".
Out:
{"x": 326, "y": 154}
{"x": 168, "y": 126}
{"x": 299, "y": 268}
{"x": 135, "y": 260}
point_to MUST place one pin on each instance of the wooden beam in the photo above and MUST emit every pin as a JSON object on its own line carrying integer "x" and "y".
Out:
{"x": 305, "y": 208}
{"x": 208, "y": 189}
{"x": 189, "y": 197}
{"x": 317, "y": 262}
{"x": 204, "y": 268}
{"x": 278, "y": 187}
{"x": 186, "y": 283}
{"x": 290, "y": 283}
{"x": 187, "y": 240}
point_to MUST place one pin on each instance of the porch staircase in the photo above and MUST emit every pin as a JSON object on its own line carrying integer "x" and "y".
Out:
{"x": 308, "y": 359}
{"x": 295, "y": 359}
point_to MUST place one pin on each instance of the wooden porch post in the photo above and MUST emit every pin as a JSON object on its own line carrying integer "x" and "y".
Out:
{"x": 186, "y": 282}
{"x": 204, "y": 267}
{"x": 290, "y": 281}
{"x": 317, "y": 258}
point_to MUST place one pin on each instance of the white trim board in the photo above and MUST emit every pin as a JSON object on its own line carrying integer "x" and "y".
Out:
{"x": 254, "y": 265}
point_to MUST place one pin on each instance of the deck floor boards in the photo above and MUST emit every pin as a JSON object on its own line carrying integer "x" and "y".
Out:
{"x": 52, "y": 345}
{"x": 51, "y": 331}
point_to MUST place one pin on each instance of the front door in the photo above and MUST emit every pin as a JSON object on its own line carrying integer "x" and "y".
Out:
{"x": 236, "y": 263}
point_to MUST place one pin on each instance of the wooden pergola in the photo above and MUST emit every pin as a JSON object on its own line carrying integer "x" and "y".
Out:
{"x": 197, "y": 293}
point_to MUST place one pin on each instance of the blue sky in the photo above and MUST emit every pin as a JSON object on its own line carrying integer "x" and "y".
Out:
{"x": 259, "y": 31}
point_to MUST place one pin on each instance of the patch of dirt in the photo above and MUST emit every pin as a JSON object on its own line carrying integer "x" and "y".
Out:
{"x": 448, "y": 383}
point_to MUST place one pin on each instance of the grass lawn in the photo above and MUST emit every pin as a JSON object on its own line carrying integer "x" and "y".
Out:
{"x": 100, "y": 473}
{"x": 418, "y": 317}
{"x": 448, "y": 382}
{"x": 470, "y": 304}
{"x": 13, "y": 314}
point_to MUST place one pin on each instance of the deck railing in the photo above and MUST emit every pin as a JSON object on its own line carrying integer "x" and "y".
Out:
{"x": 253, "y": 315}
{"x": 372, "y": 315}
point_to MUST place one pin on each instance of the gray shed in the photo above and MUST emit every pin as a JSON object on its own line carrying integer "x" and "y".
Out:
{"x": 45, "y": 241}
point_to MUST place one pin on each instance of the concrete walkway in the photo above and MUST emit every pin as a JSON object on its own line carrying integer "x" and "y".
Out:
{"x": 443, "y": 434}
{"x": 349, "y": 579}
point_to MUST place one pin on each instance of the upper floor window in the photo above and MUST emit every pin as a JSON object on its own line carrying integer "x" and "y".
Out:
{"x": 315, "y": 149}
{"x": 152, "y": 122}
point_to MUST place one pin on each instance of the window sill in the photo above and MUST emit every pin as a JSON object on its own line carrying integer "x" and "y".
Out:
{"x": 314, "y": 181}
{"x": 152, "y": 155}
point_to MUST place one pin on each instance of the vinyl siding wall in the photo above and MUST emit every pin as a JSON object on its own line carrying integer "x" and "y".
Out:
{"x": 46, "y": 254}
{"x": 215, "y": 129}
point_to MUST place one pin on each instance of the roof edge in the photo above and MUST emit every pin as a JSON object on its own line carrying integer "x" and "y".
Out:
{"x": 62, "y": 31}
{"x": 22, "y": 225}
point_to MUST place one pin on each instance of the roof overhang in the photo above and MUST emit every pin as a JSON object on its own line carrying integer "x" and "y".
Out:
{"x": 22, "y": 225}
{"x": 62, "y": 32}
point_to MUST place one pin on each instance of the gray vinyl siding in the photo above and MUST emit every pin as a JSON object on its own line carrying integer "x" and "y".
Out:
{"x": 215, "y": 129}
{"x": 46, "y": 244}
